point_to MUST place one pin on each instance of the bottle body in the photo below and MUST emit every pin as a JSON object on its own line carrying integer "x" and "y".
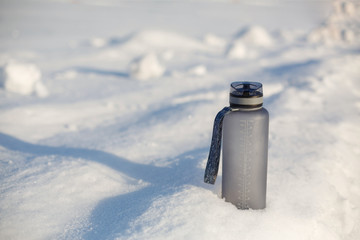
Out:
{"x": 245, "y": 153}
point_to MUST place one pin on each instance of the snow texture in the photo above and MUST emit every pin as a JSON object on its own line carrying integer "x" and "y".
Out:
{"x": 146, "y": 67}
{"x": 107, "y": 109}
{"x": 249, "y": 43}
{"x": 23, "y": 78}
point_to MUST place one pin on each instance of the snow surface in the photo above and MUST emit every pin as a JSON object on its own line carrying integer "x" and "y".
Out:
{"x": 23, "y": 78}
{"x": 106, "y": 113}
{"x": 146, "y": 67}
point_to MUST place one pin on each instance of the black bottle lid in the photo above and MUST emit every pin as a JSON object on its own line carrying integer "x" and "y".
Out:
{"x": 246, "y": 95}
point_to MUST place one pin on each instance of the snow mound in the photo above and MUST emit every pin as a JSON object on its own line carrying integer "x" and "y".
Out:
{"x": 161, "y": 40}
{"x": 249, "y": 43}
{"x": 146, "y": 67}
{"x": 345, "y": 8}
{"x": 98, "y": 42}
{"x": 255, "y": 36}
{"x": 336, "y": 30}
{"x": 213, "y": 40}
{"x": 23, "y": 78}
{"x": 167, "y": 55}
{"x": 238, "y": 50}
{"x": 199, "y": 70}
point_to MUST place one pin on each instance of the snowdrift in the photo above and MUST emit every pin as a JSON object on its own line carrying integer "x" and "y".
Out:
{"x": 106, "y": 136}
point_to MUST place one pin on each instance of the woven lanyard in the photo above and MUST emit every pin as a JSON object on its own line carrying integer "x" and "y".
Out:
{"x": 212, "y": 165}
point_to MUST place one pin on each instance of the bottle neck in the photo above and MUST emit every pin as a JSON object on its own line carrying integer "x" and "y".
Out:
{"x": 246, "y": 102}
{"x": 236, "y": 109}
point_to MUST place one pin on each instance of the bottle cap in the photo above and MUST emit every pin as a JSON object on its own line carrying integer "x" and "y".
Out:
{"x": 246, "y": 95}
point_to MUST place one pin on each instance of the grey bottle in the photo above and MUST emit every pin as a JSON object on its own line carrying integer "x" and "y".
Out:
{"x": 245, "y": 127}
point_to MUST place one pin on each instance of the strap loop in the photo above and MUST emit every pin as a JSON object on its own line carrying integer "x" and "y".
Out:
{"x": 212, "y": 165}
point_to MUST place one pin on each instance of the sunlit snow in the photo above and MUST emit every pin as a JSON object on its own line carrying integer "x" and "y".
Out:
{"x": 106, "y": 113}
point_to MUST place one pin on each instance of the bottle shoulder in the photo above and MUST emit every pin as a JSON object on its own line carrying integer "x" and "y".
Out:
{"x": 265, "y": 111}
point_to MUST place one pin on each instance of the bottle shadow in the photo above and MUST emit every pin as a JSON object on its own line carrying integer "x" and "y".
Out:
{"x": 113, "y": 216}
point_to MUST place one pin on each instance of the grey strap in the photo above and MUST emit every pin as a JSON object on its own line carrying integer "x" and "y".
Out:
{"x": 212, "y": 165}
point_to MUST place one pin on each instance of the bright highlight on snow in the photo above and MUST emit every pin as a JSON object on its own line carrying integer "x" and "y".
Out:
{"x": 23, "y": 78}
{"x": 107, "y": 107}
{"x": 146, "y": 67}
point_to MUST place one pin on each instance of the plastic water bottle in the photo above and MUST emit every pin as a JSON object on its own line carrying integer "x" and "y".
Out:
{"x": 245, "y": 127}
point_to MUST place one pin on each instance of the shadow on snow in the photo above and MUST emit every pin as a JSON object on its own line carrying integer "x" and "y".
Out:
{"x": 97, "y": 71}
{"x": 113, "y": 215}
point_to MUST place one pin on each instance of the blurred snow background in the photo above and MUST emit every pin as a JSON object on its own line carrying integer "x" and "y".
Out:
{"x": 106, "y": 112}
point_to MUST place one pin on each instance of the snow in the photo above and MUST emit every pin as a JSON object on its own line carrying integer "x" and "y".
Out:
{"x": 256, "y": 36}
{"x": 23, "y": 78}
{"x": 49, "y": 182}
{"x": 340, "y": 26}
{"x": 146, "y": 67}
{"x": 106, "y": 113}
{"x": 199, "y": 70}
{"x": 213, "y": 40}
{"x": 249, "y": 43}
